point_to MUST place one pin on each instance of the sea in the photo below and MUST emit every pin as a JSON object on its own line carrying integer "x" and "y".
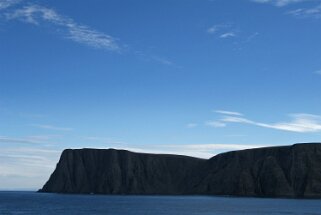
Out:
{"x": 48, "y": 204}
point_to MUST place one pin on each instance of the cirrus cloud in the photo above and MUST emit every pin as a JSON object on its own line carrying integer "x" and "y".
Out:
{"x": 36, "y": 15}
{"x": 301, "y": 123}
{"x": 279, "y": 3}
{"x": 8, "y": 3}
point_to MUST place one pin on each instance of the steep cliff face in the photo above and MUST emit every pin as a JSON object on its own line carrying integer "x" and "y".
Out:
{"x": 121, "y": 172}
{"x": 287, "y": 171}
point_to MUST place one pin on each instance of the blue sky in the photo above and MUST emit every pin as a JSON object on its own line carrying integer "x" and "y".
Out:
{"x": 194, "y": 77}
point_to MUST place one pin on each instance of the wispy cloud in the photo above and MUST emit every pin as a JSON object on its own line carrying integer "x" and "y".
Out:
{"x": 236, "y": 119}
{"x": 227, "y": 35}
{"x": 229, "y": 31}
{"x": 313, "y": 12}
{"x": 219, "y": 27}
{"x": 23, "y": 167}
{"x": 36, "y": 15}
{"x": 228, "y": 112}
{"x": 215, "y": 124}
{"x": 213, "y": 29}
{"x": 223, "y": 31}
{"x": 8, "y": 3}
{"x": 68, "y": 28}
{"x": 25, "y": 140}
{"x": 149, "y": 57}
{"x": 318, "y": 72}
{"x": 279, "y": 3}
{"x": 191, "y": 125}
{"x": 33, "y": 139}
{"x": 301, "y": 123}
{"x": 52, "y": 127}
{"x": 251, "y": 37}
{"x": 163, "y": 61}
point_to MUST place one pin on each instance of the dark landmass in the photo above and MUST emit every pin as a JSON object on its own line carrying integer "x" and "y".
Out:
{"x": 285, "y": 171}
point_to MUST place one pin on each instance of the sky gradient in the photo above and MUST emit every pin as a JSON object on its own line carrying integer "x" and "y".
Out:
{"x": 193, "y": 77}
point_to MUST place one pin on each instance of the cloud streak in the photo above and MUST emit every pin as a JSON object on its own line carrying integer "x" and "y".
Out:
{"x": 228, "y": 112}
{"x": 23, "y": 167}
{"x": 300, "y": 123}
{"x": 26, "y": 140}
{"x": 227, "y": 35}
{"x": 223, "y": 31}
{"x": 52, "y": 127}
{"x": 36, "y": 15}
{"x": 215, "y": 124}
{"x": 279, "y": 3}
{"x": 311, "y": 12}
{"x": 228, "y": 31}
{"x": 163, "y": 61}
{"x": 314, "y": 12}
{"x": 191, "y": 125}
{"x": 215, "y": 28}
{"x": 66, "y": 27}
{"x": 35, "y": 139}
{"x": 8, "y": 3}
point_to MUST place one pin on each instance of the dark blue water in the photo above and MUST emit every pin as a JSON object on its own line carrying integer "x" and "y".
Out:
{"x": 39, "y": 203}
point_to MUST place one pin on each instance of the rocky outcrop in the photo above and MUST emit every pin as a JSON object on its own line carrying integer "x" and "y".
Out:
{"x": 286, "y": 171}
{"x": 121, "y": 172}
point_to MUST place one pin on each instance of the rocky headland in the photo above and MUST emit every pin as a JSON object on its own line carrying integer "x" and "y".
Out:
{"x": 285, "y": 171}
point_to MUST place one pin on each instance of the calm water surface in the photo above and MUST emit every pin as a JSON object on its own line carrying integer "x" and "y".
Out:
{"x": 39, "y": 203}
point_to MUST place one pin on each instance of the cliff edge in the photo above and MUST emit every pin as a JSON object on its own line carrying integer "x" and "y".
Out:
{"x": 285, "y": 171}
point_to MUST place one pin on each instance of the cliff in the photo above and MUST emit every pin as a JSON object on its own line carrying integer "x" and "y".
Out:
{"x": 286, "y": 171}
{"x": 113, "y": 171}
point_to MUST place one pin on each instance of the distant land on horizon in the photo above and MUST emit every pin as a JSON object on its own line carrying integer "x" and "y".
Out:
{"x": 284, "y": 171}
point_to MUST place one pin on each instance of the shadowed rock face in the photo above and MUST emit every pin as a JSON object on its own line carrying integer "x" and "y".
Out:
{"x": 121, "y": 172}
{"x": 287, "y": 171}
